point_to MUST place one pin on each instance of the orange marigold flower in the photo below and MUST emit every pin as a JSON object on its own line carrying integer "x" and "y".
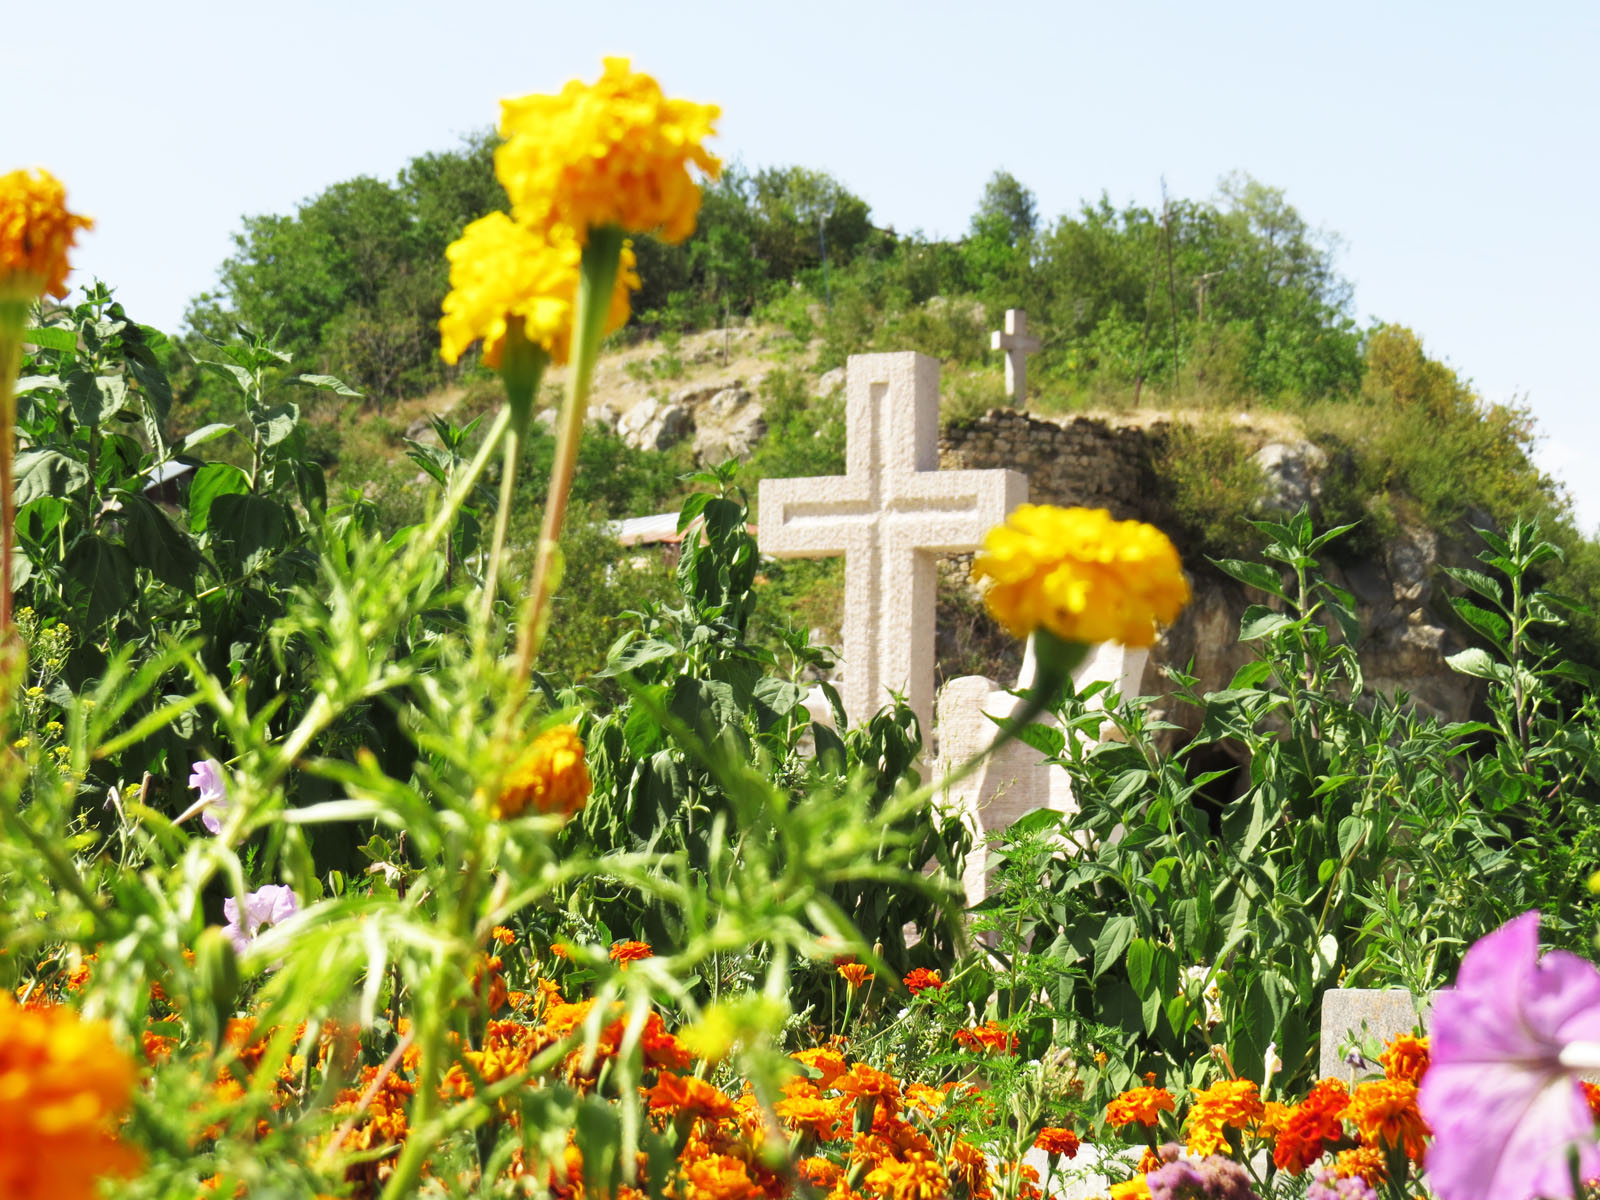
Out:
{"x": 819, "y": 1172}
{"x": 1313, "y": 1126}
{"x": 63, "y": 1084}
{"x": 1274, "y": 1116}
{"x": 502, "y": 935}
{"x": 854, "y": 973}
{"x": 921, "y": 979}
{"x": 1367, "y": 1162}
{"x": 969, "y": 1166}
{"x": 1591, "y": 1093}
{"x": 158, "y": 1047}
{"x": 1142, "y": 1104}
{"x": 988, "y": 1036}
{"x": 36, "y": 231}
{"x": 688, "y": 1095}
{"x": 918, "y": 1179}
{"x": 828, "y": 1062}
{"x": 926, "y": 1100}
{"x": 1057, "y": 1139}
{"x": 1226, "y": 1104}
{"x": 804, "y": 1109}
{"x": 1149, "y": 1161}
{"x": 1081, "y": 575}
{"x": 862, "y": 1082}
{"x": 718, "y": 1177}
{"x": 1405, "y": 1059}
{"x": 613, "y": 154}
{"x": 1385, "y": 1113}
{"x": 626, "y": 952}
{"x": 550, "y": 777}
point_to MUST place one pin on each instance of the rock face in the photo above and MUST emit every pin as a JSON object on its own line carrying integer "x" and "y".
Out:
{"x": 1406, "y": 625}
{"x": 654, "y": 425}
{"x": 728, "y": 426}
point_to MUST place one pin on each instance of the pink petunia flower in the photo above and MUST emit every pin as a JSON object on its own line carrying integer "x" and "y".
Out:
{"x": 1501, "y": 1092}
{"x": 211, "y": 779}
{"x": 271, "y": 905}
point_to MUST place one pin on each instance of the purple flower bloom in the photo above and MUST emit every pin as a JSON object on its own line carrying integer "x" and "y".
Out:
{"x": 1328, "y": 1186}
{"x": 212, "y": 802}
{"x": 272, "y": 905}
{"x": 1501, "y": 1091}
{"x": 1209, "y": 1178}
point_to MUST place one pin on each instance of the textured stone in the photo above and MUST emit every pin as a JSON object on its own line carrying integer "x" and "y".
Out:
{"x": 1017, "y": 344}
{"x": 652, "y": 425}
{"x": 1355, "y": 1013}
{"x": 889, "y": 514}
{"x": 1292, "y": 470}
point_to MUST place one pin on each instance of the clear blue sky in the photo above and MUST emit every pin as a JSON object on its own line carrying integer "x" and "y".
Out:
{"x": 1452, "y": 146}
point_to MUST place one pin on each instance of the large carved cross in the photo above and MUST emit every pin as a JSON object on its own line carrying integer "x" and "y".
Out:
{"x": 889, "y": 514}
{"x": 1017, "y": 344}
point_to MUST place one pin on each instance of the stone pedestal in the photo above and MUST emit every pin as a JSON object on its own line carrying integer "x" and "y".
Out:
{"x": 1359, "y": 1012}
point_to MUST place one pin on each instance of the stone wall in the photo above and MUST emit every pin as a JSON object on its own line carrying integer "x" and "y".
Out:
{"x": 1069, "y": 460}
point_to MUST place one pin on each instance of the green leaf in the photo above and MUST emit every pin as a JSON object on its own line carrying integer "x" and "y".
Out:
{"x": 95, "y": 398}
{"x": 1141, "y": 959}
{"x": 51, "y": 337}
{"x": 1479, "y": 665}
{"x": 206, "y": 433}
{"x": 144, "y": 366}
{"x": 156, "y": 545}
{"x": 1048, "y": 740}
{"x": 210, "y": 482}
{"x": 246, "y": 529}
{"x": 1491, "y": 625}
{"x": 104, "y": 569}
{"x": 635, "y": 655}
{"x": 1351, "y": 830}
{"x": 1252, "y": 574}
{"x": 1258, "y": 622}
{"x": 47, "y": 473}
{"x": 1113, "y": 940}
{"x": 277, "y": 422}
{"x": 327, "y": 383}
{"x": 1485, "y": 585}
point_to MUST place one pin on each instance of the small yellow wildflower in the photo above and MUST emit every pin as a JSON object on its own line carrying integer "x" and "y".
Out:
{"x": 613, "y": 154}
{"x": 36, "y": 231}
{"x": 1081, "y": 575}
{"x": 551, "y": 776}
{"x": 501, "y": 271}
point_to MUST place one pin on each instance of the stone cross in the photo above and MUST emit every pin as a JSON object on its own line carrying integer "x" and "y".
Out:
{"x": 889, "y": 514}
{"x": 1014, "y": 340}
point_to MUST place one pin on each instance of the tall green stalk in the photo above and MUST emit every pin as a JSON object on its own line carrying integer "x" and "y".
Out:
{"x": 596, "y": 281}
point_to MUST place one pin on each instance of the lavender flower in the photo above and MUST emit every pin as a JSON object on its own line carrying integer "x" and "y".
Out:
{"x": 212, "y": 803}
{"x": 1209, "y": 1178}
{"x": 1326, "y": 1185}
{"x": 271, "y": 905}
{"x": 1501, "y": 1092}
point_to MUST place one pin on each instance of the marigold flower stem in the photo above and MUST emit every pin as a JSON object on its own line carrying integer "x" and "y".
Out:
{"x": 12, "y": 315}
{"x": 512, "y": 451}
{"x": 463, "y": 486}
{"x": 596, "y": 281}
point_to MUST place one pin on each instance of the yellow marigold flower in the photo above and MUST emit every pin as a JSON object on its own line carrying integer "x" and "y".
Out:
{"x": 501, "y": 271}
{"x": 36, "y": 231}
{"x": 616, "y": 153}
{"x": 855, "y": 974}
{"x": 1405, "y": 1059}
{"x": 1132, "y": 1189}
{"x": 1228, "y": 1103}
{"x": 550, "y": 777}
{"x": 1081, "y": 575}
{"x": 63, "y": 1082}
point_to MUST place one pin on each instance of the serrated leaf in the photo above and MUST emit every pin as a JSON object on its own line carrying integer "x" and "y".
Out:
{"x": 206, "y": 433}
{"x": 1259, "y": 622}
{"x": 246, "y": 529}
{"x": 276, "y": 422}
{"x": 1252, "y": 574}
{"x": 210, "y": 482}
{"x": 1491, "y": 625}
{"x": 1479, "y": 664}
{"x": 156, "y": 545}
{"x": 1048, "y": 740}
{"x": 95, "y": 398}
{"x": 47, "y": 473}
{"x": 103, "y": 568}
{"x": 328, "y": 383}
{"x": 51, "y": 337}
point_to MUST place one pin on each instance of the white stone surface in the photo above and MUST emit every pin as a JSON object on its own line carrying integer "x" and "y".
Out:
{"x": 1349, "y": 1013}
{"x": 1017, "y": 344}
{"x": 890, "y": 514}
{"x": 1016, "y": 779}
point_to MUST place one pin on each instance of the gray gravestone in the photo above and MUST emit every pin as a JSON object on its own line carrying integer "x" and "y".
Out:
{"x": 1357, "y": 1013}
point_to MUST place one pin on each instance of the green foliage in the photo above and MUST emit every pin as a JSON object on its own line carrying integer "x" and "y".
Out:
{"x": 1312, "y": 831}
{"x": 1213, "y": 485}
{"x": 702, "y": 698}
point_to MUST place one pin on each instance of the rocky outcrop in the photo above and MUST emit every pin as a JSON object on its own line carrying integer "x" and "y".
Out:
{"x": 1406, "y": 625}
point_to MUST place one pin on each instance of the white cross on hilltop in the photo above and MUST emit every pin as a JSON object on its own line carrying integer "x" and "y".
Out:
{"x": 1014, "y": 340}
{"x": 889, "y": 514}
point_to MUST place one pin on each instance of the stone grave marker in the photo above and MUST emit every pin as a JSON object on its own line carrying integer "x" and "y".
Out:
{"x": 1017, "y": 344}
{"x": 1358, "y": 1012}
{"x": 1015, "y": 780}
{"x": 890, "y": 514}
